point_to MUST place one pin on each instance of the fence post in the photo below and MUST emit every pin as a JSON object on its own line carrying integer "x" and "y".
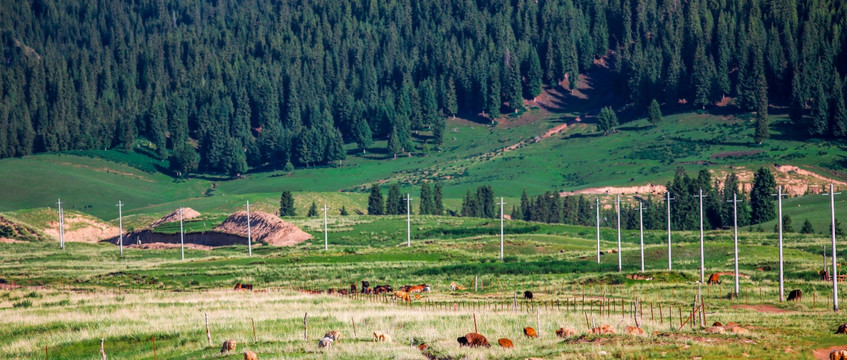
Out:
{"x": 306, "y": 327}
{"x": 102, "y": 349}
{"x": 253, "y": 322}
{"x": 208, "y": 333}
{"x": 475, "y": 328}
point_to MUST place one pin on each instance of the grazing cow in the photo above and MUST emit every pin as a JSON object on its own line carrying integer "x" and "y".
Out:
{"x": 842, "y": 329}
{"x": 249, "y": 355}
{"x": 325, "y": 343}
{"x": 565, "y": 332}
{"x": 530, "y": 332}
{"x": 365, "y": 286}
{"x": 473, "y": 340}
{"x": 632, "y": 330}
{"x": 417, "y": 288}
{"x": 330, "y": 291}
{"x": 825, "y": 276}
{"x": 237, "y": 286}
{"x": 454, "y": 286}
{"x": 422, "y": 347}
{"x": 352, "y": 288}
{"x": 379, "y": 289}
{"x": 343, "y": 291}
{"x": 838, "y": 355}
{"x": 381, "y": 336}
{"x": 527, "y": 295}
{"x": 731, "y": 324}
{"x": 603, "y": 329}
{"x": 717, "y": 323}
{"x": 247, "y": 287}
{"x": 505, "y": 343}
{"x": 795, "y": 295}
{"x": 714, "y": 279}
{"x": 403, "y": 295}
{"x": 334, "y": 334}
{"x": 228, "y": 346}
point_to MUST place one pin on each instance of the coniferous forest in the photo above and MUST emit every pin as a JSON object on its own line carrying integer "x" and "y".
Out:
{"x": 222, "y": 86}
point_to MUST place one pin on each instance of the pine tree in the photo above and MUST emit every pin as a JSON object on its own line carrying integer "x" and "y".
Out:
{"x": 493, "y": 104}
{"x": 286, "y": 204}
{"x": 313, "y": 210}
{"x": 375, "y": 203}
{"x": 761, "y": 133}
{"x": 534, "y": 74}
{"x": 437, "y": 200}
{"x": 515, "y": 214}
{"x": 703, "y": 76}
{"x": 452, "y": 104}
{"x": 761, "y": 202}
{"x": 394, "y": 204}
{"x": 820, "y": 112}
{"x": 235, "y": 160}
{"x": 514, "y": 90}
{"x": 607, "y": 120}
{"x": 786, "y": 224}
{"x": 363, "y": 134}
{"x": 525, "y": 207}
{"x": 654, "y": 113}
{"x": 838, "y": 119}
{"x": 394, "y": 144}
{"x": 429, "y": 106}
{"x": 184, "y": 160}
{"x": 807, "y": 228}
{"x": 426, "y": 204}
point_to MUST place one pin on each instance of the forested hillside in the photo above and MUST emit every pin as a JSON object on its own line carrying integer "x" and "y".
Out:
{"x": 226, "y": 85}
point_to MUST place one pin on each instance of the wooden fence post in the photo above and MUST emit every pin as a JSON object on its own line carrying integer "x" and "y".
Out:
{"x": 306, "y": 327}
{"x": 475, "y": 328}
{"x": 102, "y": 349}
{"x": 155, "y": 357}
{"x": 253, "y": 322}
{"x": 354, "y": 327}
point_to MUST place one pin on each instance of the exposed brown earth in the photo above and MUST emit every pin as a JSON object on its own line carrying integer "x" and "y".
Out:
{"x": 265, "y": 228}
{"x": 187, "y": 213}
{"x": 761, "y": 308}
{"x": 82, "y": 229}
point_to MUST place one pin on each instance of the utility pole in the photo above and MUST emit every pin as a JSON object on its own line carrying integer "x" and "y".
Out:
{"x": 121, "y": 225}
{"x": 61, "y": 226}
{"x": 326, "y": 234}
{"x": 618, "y": 207}
{"x": 181, "y": 236}
{"x": 779, "y": 196}
{"x": 408, "y": 221}
{"x": 669, "y": 229}
{"x": 641, "y": 223}
{"x": 702, "y": 257}
{"x": 597, "y": 207}
{"x": 735, "y": 237}
{"x": 501, "y": 227}
{"x": 832, "y": 194}
{"x": 249, "y": 236}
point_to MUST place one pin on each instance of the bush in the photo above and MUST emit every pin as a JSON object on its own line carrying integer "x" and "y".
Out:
{"x": 22, "y": 304}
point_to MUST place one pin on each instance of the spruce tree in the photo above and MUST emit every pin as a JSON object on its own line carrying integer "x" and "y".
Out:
{"x": 493, "y": 103}
{"x": 394, "y": 143}
{"x": 375, "y": 202}
{"x": 807, "y": 227}
{"x": 838, "y": 119}
{"x": 437, "y": 200}
{"x": 654, "y": 113}
{"x": 286, "y": 204}
{"x": 761, "y": 202}
{"x": 514, "y": 91}
{"x": 607, "y": 120}
{"x": 395, "y": 203}
{"x": 534, "y": 74}
{"x": 426, "y": 203}
{"x": 313, "y": 210}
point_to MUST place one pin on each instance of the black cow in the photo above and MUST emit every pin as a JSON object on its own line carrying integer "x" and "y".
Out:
{"x": 365, "y": 286}
{"x": 795, "y": 295}
{"x": 527, "y": 295}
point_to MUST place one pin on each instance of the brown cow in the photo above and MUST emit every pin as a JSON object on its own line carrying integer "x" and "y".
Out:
{"x": 403, "y": 295}
{"x": 342, "y": 292}
{"x": 565, "y": 332}
{"x": 505, "y": 343}
{"x": 334, "y": 334}
{"x": 249, "y": 355}
{"x": 352, "y": 288}
{"x": 603, "y": 329}
{"x": 838, "y": 355}
{"x": 825, "y": 276}
{"x": 530, "y": 332}
{"x": 842, "y": 329}
{"x": 473, "y": 340}
{"x": 714, "y": 279}
{"x": 237, "y": 286}
{"x": 632, "y": 330}
{"x": 795, "y": 295}
{"x": 422, "y": 347}
{"x": 228, "y": 346}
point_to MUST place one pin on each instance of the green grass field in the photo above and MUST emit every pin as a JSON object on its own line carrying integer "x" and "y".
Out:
{"x": 72, "y": 298}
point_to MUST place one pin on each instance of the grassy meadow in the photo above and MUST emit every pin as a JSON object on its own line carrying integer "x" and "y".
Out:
{"x": 72, "y": 298}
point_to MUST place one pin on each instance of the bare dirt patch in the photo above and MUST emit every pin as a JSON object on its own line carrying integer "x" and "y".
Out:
{"x": 823, "y": 353}
{"x": 187, "y": 213}
{"x": 761, "y": 308}
{"x": 611, "y": 190}
{"x": 10, "y": 241}
{"x": 82, "y": 229}
{"x": 264, "y": 227}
